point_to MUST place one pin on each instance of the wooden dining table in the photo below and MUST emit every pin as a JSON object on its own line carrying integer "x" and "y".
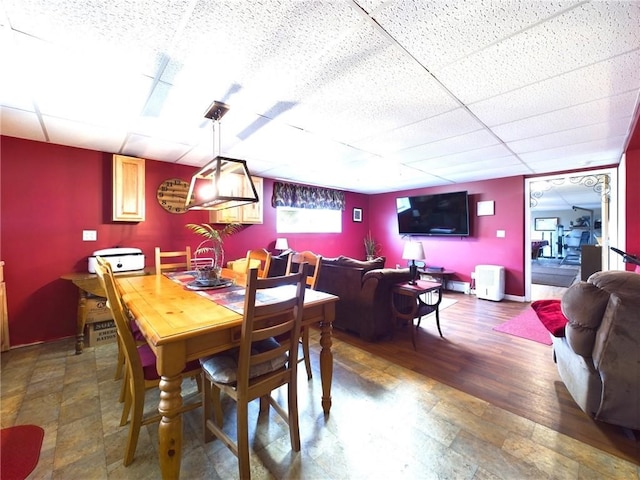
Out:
{"x": 182, "y": 325}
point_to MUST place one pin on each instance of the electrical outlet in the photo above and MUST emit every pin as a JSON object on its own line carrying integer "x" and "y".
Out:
{"x": 89, "y": 235}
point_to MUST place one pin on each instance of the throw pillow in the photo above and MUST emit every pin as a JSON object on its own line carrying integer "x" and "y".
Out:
{"x": 366, "y": 265}
{"x": 550, "y": 314}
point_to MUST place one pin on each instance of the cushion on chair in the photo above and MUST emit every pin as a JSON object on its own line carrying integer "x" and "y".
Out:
{"x": 222, "y": 367}
{"x": 148, "y": 360}
{"x": 550, "y": 314}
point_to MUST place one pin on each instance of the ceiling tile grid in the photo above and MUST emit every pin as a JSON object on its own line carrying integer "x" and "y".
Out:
{"x": 392, "y": 94}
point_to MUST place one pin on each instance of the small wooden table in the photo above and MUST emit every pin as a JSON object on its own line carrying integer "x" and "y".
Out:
{"x": 89, "y": 284}
{"x": 418, "y": 307}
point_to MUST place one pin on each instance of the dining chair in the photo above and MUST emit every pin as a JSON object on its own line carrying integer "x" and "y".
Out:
{"x": 259, "y": 365}
{"x": 261, "y": 255}
{"x": 183, "y": 262}
{"x": 141, "y": 374}
{"x": 315, "y": 262}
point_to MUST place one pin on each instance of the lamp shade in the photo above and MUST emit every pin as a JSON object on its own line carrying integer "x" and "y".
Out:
{"x": 282, "y": 244}
{"x": 413, "y": 251}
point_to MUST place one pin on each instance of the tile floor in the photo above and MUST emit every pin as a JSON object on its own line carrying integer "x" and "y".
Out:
{"x": 386, "y": 422}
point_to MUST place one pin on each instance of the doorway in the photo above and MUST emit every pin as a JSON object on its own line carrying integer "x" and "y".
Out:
{"x": 566, "y": 209}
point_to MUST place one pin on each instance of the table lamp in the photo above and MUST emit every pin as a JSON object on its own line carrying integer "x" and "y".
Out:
{"x": 413, "y": 251}
{"x": 282, "y": 244}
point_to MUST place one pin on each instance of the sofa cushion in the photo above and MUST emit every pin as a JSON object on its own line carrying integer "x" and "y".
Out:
{"x": 550, "y": 314}
{"x": 366, "y": 265}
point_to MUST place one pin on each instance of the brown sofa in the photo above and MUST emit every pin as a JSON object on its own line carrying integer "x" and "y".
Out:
{"x": 364, "y": 288}
{"x": 599, "y": 357}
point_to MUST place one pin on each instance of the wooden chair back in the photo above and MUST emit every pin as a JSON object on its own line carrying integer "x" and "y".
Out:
{"x": 315, "y": 265}
{"x": 137, "y": 383}
{"x": 121, "y": 319}
{"x": 261, "y": 323}
{"x": 261, "y": 255}
{"x": 183, "y": 262}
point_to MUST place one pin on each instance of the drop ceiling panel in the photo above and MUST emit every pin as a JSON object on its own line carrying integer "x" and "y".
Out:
{"x": 448, "y": 146}
{"x": 84, "y": 135}
{"x": 574, "y": 136}
{"x": 413, "y": 136}
{"x": 524, "y": 59}
{"x": 583, "y": 115}
{"x": 439, "y": 35}
{"x": 597, "y": 81}
{"x": 496, "y": 153}
{"x": 21, "y": 124}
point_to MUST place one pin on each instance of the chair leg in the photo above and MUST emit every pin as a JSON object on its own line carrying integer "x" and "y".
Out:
{"x": 206, "y": 408}
{"x": 243, "y": 440}
{"x": 120, "y": 363}
{"x": 294, "y": 428}
{"x": 134, "y": 425}
{"x": 126, "y": 408}
{"x": 305, "y": 351}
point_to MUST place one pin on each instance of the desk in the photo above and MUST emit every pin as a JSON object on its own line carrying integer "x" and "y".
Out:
{"x": 416, "y": 308}
{"x": 181, "y": 325}
{"x": 88, "y": 283}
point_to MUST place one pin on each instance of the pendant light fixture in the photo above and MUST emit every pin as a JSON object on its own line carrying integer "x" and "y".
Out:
{"x": 223, "y": 182}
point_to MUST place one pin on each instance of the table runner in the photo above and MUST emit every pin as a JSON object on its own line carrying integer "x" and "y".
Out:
{"x": 232, "y": 297}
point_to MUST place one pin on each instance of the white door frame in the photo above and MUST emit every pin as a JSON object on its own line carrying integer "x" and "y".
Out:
{"x": 610, "y": 227}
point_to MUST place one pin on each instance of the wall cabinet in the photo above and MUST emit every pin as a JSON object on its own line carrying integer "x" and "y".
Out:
{"x": 128, "y": 189}
{"x": 249, "y": 214}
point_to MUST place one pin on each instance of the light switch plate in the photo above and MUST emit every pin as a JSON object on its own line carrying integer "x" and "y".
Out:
{"x": 501, "y": 234}
{"x": 89, "y": 235}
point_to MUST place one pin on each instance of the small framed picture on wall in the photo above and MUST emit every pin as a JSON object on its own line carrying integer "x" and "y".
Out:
{"x": 357, "y": 215}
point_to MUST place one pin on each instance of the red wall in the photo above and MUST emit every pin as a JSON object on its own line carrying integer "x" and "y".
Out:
{"x": 462, "y": 254}
{"x": 633, "y": 195}
{"x": 50, "y": 193}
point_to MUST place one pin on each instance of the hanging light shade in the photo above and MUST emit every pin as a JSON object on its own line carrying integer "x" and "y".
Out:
{"x": 223, "y": 182}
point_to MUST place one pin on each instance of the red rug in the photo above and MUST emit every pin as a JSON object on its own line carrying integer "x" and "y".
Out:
{"x": 19, "y": 451}
{"x": 526, "y": 325}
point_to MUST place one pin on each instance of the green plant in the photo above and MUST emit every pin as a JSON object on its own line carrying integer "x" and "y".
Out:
{"x": 371, "y": 247}
{"x": 213, "y": 239}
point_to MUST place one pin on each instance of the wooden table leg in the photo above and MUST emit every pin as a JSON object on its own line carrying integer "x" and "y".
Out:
{"x": 170, "y": 364}
{"x": 81, "y": 321}
{"x": 326, "y": 356}
{"x": 170, "y": 428}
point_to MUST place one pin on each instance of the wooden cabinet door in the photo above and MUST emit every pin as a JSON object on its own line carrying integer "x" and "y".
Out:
{"x": 252, "y": 213}
{"x": 128, "y": 189}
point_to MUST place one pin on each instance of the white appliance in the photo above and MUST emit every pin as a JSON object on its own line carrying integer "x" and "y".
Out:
{"x": 121, "y": 259}
{"x": 489, "y": 282}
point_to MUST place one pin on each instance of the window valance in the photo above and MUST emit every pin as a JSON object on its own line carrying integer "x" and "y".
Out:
{"x": 301, "y": 196}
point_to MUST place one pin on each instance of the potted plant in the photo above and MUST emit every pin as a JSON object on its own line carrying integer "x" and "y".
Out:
{"x": 371, "y": 247}
{"x": 212, "y": 246}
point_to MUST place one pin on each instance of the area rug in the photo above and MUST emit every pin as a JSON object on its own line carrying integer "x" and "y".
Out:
{"x": 555, "y": 276}
{"x": 19, "y": 451}
{"x": 526, "y": 325}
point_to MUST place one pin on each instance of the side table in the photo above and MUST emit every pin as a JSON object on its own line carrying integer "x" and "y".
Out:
{"x": 415, "y": 307}
{"x": 88, "y": 283}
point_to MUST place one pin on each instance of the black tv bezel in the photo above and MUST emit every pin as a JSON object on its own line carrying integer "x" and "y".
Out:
{"x": 438, "y": 234}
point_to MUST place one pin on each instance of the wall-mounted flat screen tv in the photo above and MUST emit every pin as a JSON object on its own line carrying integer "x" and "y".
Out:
{"x": 442, "y": 214}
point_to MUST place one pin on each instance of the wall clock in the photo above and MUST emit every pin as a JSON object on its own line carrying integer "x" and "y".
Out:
{"x": 172, "y": 195}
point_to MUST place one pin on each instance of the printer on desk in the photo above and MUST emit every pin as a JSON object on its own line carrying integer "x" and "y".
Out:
{"x": 121, "y": 259}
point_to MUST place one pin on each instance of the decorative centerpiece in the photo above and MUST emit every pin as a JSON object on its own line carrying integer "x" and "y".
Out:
{"x": 371, "y": 247}
{"x": 208, "y": 268}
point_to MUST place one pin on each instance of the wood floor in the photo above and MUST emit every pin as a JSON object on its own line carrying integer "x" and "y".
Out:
{"x": 512, "y": 373}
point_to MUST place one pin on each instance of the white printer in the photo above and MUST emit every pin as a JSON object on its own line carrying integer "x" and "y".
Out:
{"x": 121, "y": 259}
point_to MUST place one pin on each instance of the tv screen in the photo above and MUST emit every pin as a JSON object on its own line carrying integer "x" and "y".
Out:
{"x": 443, "y": 214}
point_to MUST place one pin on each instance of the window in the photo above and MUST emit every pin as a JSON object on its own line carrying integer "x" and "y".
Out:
{"x": 307, "y": 220}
